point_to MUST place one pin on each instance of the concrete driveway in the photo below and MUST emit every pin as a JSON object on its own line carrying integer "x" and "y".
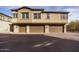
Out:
{"x": 68, "y": 35}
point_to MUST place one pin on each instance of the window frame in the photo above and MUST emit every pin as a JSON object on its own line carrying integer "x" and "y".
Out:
{"x": 15, "y": 15}
{"x": 64, "y": 16}
{"x": 48, "y": 15}
{"x": 37, "y": 15}
{"x": 25, "y": 15}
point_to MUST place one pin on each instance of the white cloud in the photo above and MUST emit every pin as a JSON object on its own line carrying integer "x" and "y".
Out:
{"x": 74, "y": 13}
{"x": 12, "y": 7}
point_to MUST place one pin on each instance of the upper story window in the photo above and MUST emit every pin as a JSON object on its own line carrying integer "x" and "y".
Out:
{"x": 15, "y": 15}
{"x": 64, "y": 16}
{"x": 25, "y": 15}
{"x": 48, "y": 16}
{"x": 37, "y": 15}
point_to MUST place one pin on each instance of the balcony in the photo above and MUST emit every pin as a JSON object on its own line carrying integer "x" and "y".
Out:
{"x": 49, "y": 21}
{"x": 15, "y": 20}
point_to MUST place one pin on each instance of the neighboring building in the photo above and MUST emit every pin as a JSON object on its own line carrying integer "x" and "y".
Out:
{"x": 4, "y": 23}
{"x": 30, "y": 20}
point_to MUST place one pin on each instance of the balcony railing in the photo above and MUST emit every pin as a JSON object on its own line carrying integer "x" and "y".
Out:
{"x": 15, "y": 20}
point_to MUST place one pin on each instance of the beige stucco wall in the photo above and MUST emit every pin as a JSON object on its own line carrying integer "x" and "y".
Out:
{"x": 54, "y": 18}
{"x": 5, "y": 18}
{"x": 4, "y": 26}
{"x": 14, "y": 20}
{"x": 16, "y": 28}
{"x": 65, "y": 28}
{"x": 4, "y": 23}
{"x": 46, "y": 28}
{"x": 27, "y": 27}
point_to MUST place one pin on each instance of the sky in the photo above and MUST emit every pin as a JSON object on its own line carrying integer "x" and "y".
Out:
{"x": 73, "y": 10}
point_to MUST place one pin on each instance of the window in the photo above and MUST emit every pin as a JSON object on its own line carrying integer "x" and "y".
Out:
{"x": 64, "y": 16}
{"x": 48, "y": 16}
{"x": 15, "y": 15}
{"x": 25, "y": 15}
{"x": 37, "y": 16}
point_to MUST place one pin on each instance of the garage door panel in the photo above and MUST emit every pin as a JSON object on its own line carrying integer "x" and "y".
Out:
{"x": 56, "y": 28}
{"x": 36, "y": 28}
{"x": 22, "y": 28}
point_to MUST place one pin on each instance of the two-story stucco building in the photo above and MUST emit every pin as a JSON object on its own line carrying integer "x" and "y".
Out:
{"x": 4, "y": 22}
{"x": 31, "y": 20}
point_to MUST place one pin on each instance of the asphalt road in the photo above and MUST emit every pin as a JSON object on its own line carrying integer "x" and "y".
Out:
{"x": 36, "y": 43}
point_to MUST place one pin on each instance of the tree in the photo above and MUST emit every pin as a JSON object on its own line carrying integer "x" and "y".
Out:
{"x": 72, "y": 26}
{"x": 77, "y": 25}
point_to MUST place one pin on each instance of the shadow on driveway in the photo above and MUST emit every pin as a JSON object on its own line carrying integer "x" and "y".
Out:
{"x": 37, "y": 43}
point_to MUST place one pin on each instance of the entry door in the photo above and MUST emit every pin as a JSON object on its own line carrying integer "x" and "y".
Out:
{"x": 22, "y": 28}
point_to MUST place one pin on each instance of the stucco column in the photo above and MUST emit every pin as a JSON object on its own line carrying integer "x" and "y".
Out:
{"x": 65, "y": 28}
{"x": 46, "y": 28}
{"x": 9, "y": 28}
{"x": 27, "y": 28}
{"x": 16, "y": 28}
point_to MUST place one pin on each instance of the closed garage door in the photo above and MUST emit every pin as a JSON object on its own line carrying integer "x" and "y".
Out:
{"x": 56, "y": 29}
{"x": 36, "y": 29}
{"x": 22, "y": 28}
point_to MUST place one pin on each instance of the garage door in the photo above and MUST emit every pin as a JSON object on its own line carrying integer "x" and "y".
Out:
{"x": 56, "y": 29}
{"x": 36, "y": 29}
{"x": 22, "y": 28}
